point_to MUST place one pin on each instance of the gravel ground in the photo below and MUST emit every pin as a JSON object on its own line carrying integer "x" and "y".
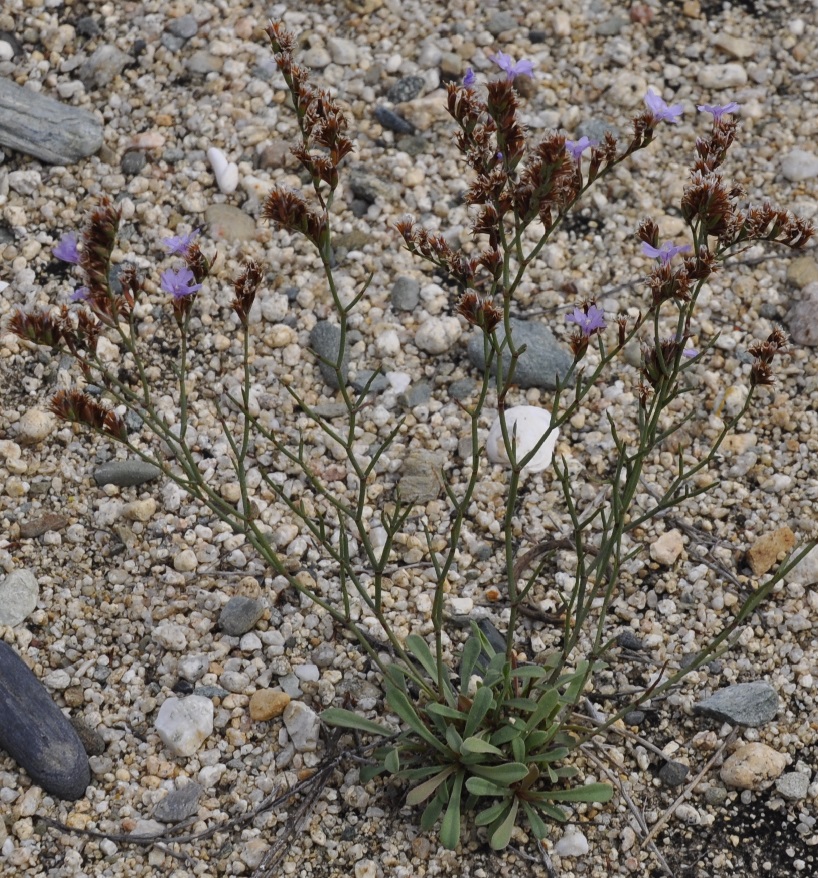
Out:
{"x": 132, "y": 581}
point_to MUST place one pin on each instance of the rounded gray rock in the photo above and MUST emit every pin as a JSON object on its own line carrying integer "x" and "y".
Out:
{"x": 745, "y": 704}
{"x": 126, "y": 473}
{"x": 240, "y": 614}
{"x": 325, "y": 339}
{"x": 18, "y": 597}
{"x": 405, "y": 294}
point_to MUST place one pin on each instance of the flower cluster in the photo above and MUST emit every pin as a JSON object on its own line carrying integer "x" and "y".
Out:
{"x": 765, "y": 352}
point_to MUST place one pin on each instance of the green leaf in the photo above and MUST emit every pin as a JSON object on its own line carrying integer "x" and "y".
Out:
{"x": 547, "y": 707}
{"x": 368, "y": 772}
{"x": 538, "y": 826}
{"x": 504, "y": 775}
{"x": 481, "y": 787}
{"x": 552, "y": 755}
{"x": 518, "y": 749}
{"x": 453, "y": 738}
{"x": 566, "y": 771}
{"x": 478, "y": 745}
{"x": 392, "y": 761}
{"x": 489, "y": 815}
{"x": 445, "y": 711}
{"x": 450, "y": 827}
{"x": 504, "y": 735}
{"x": 576, "y": 683}
{"x": 502, "y": 835}
{"x": 483, "y": 699}
{"x": 529, "y": 672}
{"x": 592, "y": 792}
{"x": 337, "y": 716}
{"x": 430, "y": 813}
{"x": 422, "y": 791}
{"x": 399, "y": 702}
{"x": 418, "y": 773}
{"x": 527, "y": 704}
{"x": 419, "y": 649}
{"x": 468, "y": 661}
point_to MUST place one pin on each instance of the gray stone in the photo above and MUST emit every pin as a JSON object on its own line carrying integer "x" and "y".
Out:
{"x": 229, "y": 223}
{"x": 126, "y": 473}
{"x": 34, "y": 732}
{"x": 203, "y": 62}
{"x": 393, "y": 121}
{"x": 799, "y": 165}
{"x": 316, "y": 57}
{"x": 673, "y": 774}
{"x": 715, "y": 796}
{"x": 421, "y": 477}
{"x": 342, "y": 51}
{"x": 611, "y": 26}
{"x": 802, "y": 318}
{"x": 325, "y": 340}
{"x": 539, "y": 365}
{"x": 463, "y": 388}
{"x": 417, "y": 393}
{"x": 628, "y": 640}
{"x": 378, "y": 385}
{"x": 745, "y": 704}
{"x": 413, "y": 144}
{"x": 179, "y": 804}
{"x": 44, "y": 128}
{"x": 634, "y": 717}
{"x": 405, "y": 294}
{"x": 184, "y": 27}
{"x": 303, "y": 726}
{"x": 793, "y": 786}
{"x": 18, "y": 597}
{"x": 406, "y": 89}
{"x": 367, "y": 187}
{"x": 500, "y": 22}
{"x": 240, "y": 614}
{"x": 133, "y": 162}
{"x": 92, "y": 740}
{"x": 103, "y": 67}
{"x": 802, "y": 271}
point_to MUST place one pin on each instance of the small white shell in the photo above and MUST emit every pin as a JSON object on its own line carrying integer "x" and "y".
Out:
{"x": 526, "y": 425}
{"x": 226, "y": 173}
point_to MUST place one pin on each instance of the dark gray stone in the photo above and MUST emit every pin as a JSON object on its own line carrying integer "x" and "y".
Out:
{"x": 88, "y": 27}
{"x": 103, "y": 67}
{"x": 715, "y": 796}
{"x": 92, "y": 741}
{"x": 126, "y": 473}
{"x": 133, "y": 162}
{"x": 393, "y": 121}
{"x": 463, "y": 388}
{"x": 793, "y": 786}
{"x": 179, "y": 804}
{"x": 171, "y": 43}
{"x": 405, "y": 89}
{"x": 44, "y": 128}
{"x": 536, "y": 36}
{"x": 366, "y": 187}
{"x": 413, "y": 144}
{"x": 745, "y": 704}
{"x": 325, "y": 340}
{"x": 500, "y": 22}
{"x": 421, "y": 476}
{"x": 240, "y": 614}
{"x": 417, "y": 393}
{"x": 34, "y": 732}
{"x": 634, "y": 717}
{"x": 628, "y": 640}
{"x": 673, "y": 774}
{"x": 184, "y": 27}
{"x": 405, "y": 294}
{"x": 379, "y": 383}
{"x": 543, "y": 360}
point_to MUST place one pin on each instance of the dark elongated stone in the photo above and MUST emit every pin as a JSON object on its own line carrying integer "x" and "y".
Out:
{"x": 34, "y": 732}
{"x": 45, "y": 128}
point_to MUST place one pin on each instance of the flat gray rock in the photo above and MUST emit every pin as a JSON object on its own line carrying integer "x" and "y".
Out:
{"x": 421, "y": 478}
{"x": 240, "y": 614}
{"x": 45, "y": 128}
{"x": 539, "y": 365}
{"x": 745, "y": 704}
{"x": 126, "y": 473}
{"x": 179, "y": 804}
{"x": 36, "y": 734}
{"x": 18, "y": 597}
{"x": 325, "y": 340}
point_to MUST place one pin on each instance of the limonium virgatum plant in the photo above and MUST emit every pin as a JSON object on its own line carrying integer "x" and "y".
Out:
{"x": 496, "y": 733}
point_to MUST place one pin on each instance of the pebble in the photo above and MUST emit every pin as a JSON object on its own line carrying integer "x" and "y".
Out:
{"x": 673, "y": 774}
{"x": 526, "y": 425}
{"x": 437, "y": 334}
{"x": 366, "y": 869}
{"x": 325, "y": 340}
{"x": 802, "y": 318}
{"x": 171, "y": 635}
{"x": 793, "y": 786}
{"x": 185, "y": 561}
{"x": 25, "y": 182}
{"x": 126, "y": 473}
{"x": 802, "y": 271}
{"x": 204, "y": 62}
{"x": 377, "y": 384}
{"x": 193, "y": 667}
{"x": 267, "y": 704}
{"x": 799, "y": 164}
{"x": 737, "y": 47}
{"x": 104, "y": 65}
{"x": 722, "y": 76}
{"x": 228, "y": 223}
{"x": 744, "y": 704}
{"x": 501, "y": 21}
{"x": 405, "y": 294}
{"x": 768, "y": 549}
{"x": 342, "y": 51}
{"x": 19, "y": 592}
{"x": 34, "y": 426}
{"x": 36, "y": 527}
{"x": 806, "y": 570}
{"x": 47, "y": 129}
{"x": 184, "y": 724}
{"x": 140, "y": 510}
{"x": 179, "y": 804}
{"x": 405, "y": 89}
{"x": 543, "y": 360}
{"x": 572, "y": 844}
{"x": 240, "y": 615}
{"x": 316, "y": 57}
{"x": 225, "y": 172}
{"x": 184, "y": 27}
{"x": 752, "y": 766}
{"x": 421, "y": 478}
{"x": 667, "y": 548}
{"x": 133, "y": 162}
{"x": 35, "y": 733}
{"x": 393, "y": 121}
{"x": 303, "y": 726}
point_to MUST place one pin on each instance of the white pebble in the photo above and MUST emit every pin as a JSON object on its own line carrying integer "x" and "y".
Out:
{"x": 184, "y": 724}
{"x": 572, "y": 844}
{"x": 525, "y": 425}
{"x": 226, "y": 173}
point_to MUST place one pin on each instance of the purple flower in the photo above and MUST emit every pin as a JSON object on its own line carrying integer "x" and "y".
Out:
{"x": 179, "y": 245}
{"x": 80, "y": 294}
{"x": 469, "y": 78}
{"x": 690, "y": 352}
{"x": 179, "y": 283}
{"x": 666, "y": 252}
{"x": 512, "y": 69}
{"x": 588, "y": 321}
{"x": 66, "y": 249}
{"x": 718, "y": 111}
{"x": 578, "y": 147}
{"x": 661, "y": 111}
